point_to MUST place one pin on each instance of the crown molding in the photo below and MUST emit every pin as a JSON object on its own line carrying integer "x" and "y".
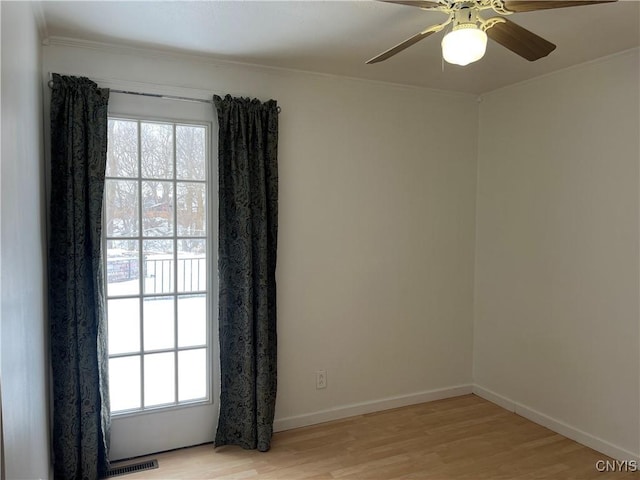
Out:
{"x": 215, "y": 62}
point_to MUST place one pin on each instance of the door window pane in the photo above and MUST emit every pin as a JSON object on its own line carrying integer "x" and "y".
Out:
{"x": 192, "y": 320}
{"x": 192, "y": 374}
{"x": 158, "y": 266}
{"x": 158, "y": 323}
{"x": 190, "y": 152}
{"x": 159, "y": 374}
{"x": 157, "y": 150}
{"x": 192, "y": 265}
{"x": 192, "y": 213}
{"x": 121, "y": 208}
{"x": 123, "y": 268}
{"x": 124, "y": 325}
{"x": 157, "y": 209}
{"x": 124, "y": 383}
{"x": 122, "y": 153}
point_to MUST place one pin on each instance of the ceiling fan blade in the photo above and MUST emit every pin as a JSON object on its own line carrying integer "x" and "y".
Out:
{"x": 518, "y": 6}
{"x": 406, "y": 44}
{"x": 415, "y": 3}
{"x": 520, "y": 40}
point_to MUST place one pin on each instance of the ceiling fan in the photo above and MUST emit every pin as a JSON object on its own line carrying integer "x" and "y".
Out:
{"x": 467, "y": 40}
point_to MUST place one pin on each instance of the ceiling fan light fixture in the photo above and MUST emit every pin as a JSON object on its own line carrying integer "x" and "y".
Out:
{"x": 465, "y": 44}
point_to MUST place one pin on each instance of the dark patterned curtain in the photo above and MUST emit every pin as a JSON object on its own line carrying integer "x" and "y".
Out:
{"x": 76, "y": 303}
{"x": 248, "y": 229}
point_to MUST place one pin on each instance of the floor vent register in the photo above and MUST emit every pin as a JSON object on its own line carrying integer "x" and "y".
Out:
{"x": 132, "y": 468}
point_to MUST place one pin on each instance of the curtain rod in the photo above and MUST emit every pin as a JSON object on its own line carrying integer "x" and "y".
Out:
{"x": 158, "y": 95}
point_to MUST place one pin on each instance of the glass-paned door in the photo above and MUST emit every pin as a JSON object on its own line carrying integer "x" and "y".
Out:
{"x": 158, "y": 275}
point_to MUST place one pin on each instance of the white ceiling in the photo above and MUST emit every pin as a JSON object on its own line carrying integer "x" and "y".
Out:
{"x": 337, "y": 37}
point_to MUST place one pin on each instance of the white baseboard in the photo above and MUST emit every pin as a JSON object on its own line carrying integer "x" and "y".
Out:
{"x": 337, "y": 413}
{"x": 556, "y": 425}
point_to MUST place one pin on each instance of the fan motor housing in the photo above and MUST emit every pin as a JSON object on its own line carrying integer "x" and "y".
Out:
{"x": 466, "y": 15}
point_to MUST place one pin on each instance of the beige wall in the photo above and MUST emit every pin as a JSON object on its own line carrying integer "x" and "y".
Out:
{"x": 556, "y": 302}
{"x": 376, "y": 239}
{"x": 23, "y": 346}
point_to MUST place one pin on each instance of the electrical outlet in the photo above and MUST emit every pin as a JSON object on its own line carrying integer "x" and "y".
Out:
{"x": 321, "y": 379}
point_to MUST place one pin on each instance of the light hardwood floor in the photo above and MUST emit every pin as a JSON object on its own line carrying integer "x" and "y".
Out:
{"x": 457, "y": 438}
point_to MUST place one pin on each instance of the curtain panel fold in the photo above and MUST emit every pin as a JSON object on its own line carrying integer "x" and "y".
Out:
{"x": 248, "y": 228}
{"x": 79, "y": 356}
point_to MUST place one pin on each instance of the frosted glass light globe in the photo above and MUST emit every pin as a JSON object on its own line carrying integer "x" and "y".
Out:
{"x": 464, "y": 45}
